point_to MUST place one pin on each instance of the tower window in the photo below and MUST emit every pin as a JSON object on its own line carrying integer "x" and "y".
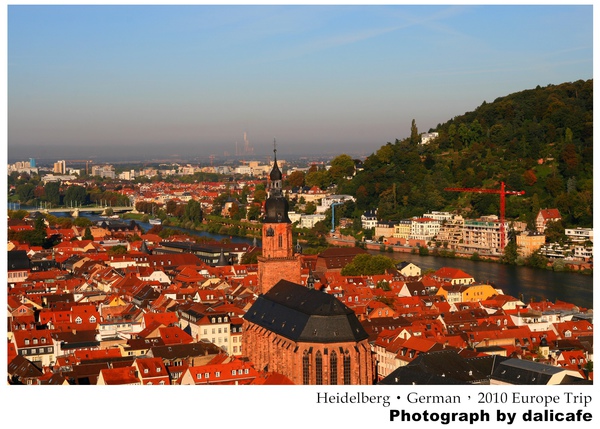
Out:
{"x": 280, "y": 240}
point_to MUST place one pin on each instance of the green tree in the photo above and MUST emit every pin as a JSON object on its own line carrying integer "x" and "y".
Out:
{"x": 193, "y": 212}
{"x": 87, "y": 235}
{"x": 25, "y": 192}
{"x": 119, "y": 249}
{"x": 342, "y": 166}
{"x": 295, "y": 179}
{"x": 414, "y": 132}
{"x": 75, "y": 195}
{"x": 52, "y": 192}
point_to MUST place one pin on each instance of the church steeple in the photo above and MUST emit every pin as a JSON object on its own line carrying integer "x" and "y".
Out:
{"x": 277, "y": 260}
{"x": 276, "y": 206}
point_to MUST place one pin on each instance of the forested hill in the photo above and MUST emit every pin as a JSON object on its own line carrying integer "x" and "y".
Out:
{"x": 539, "y": 141}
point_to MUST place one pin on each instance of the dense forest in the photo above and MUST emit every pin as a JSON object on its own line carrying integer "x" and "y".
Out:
{"x": 539, "y": 141}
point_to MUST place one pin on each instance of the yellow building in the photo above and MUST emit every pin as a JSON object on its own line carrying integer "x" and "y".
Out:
{"x": 528, "y": 242}
{"x": 467, "y": 293}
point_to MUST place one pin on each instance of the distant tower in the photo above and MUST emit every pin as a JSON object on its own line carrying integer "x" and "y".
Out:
{"x": 278, "y": 260}
{"x": 32, "y": 162}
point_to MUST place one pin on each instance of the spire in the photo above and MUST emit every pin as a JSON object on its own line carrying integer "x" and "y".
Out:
{"x": 222, "y": 260}
{"x": 276, "y": 206}
{"x": 275, "y": 174}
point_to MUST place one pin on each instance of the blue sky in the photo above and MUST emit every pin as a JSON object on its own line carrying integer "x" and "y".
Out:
{"x": 86, "y": 80}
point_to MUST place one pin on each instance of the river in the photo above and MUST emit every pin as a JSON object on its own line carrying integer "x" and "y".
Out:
{"x": 531, "y": 283}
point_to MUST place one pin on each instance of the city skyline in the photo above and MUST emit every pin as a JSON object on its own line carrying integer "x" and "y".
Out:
{"x": 194, "y": 80}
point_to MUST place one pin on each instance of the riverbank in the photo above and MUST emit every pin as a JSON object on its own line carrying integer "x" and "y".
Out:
{"x": 585, "y": 268}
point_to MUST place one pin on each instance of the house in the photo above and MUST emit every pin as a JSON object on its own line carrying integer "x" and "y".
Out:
{"x": 127, "y": 375}
{"x": 525, "y": 372}
{"x": 22, "y": 371}
{"x": 228, "y": 372}
{"x": 151, "y": 371}
{"x": 18, "y": 266}
{"x": 529, "y": 241}
{"x": 36, "y": 345}
{"x": 544, "y": 216}
{"x": 453, "y": 276}
{"x": 441, "y": 367}
{"x": 408, "y": 269}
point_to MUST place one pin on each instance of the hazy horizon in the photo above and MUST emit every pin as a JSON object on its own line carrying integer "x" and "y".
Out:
{"x": 189, "y": 81}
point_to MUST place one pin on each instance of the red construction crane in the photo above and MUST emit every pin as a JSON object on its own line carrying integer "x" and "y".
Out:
{"x": 503, "y": 192}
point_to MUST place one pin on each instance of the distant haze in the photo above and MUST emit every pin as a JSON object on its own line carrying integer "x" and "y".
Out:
{"x": 132, "y": 82}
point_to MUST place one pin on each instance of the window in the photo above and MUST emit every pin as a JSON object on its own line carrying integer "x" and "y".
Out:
{"x": 78, "y": 320}
{"x": 333, "y": 367}
{"x": 199, "y": 376}
{"x": 213, "y": 330}
{"x": 35, "y": 341}
{"x": 246, "y": 371}
{"x": 220, "y": 330}
{"x": 26, "y": 341}
{"x": 145, "y": 370}
{"x": 93, "y": 319}
{"x": 319, "y": 367}
{"x": 43, "y": 340}
{"x": 305, "y": 369}
{"x": 217, "y": 374}
{"x": 206, "y": 375}
{"x": 219, "y": 319}
{"x": 235, "y": 349}
{"x": 233, "y": 372}
{"x": 205, "y": 331}
{"x": 347, "y": 368}
{"x": 225, "y": 330}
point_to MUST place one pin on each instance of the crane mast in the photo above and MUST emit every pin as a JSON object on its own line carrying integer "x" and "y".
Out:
{"x": 503, "y": 193}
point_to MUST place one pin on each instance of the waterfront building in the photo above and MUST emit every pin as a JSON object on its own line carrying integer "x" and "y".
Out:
{"x": 368, "y": 219}
{"x": 450, "y": 233}
{"x": 402, "y": 229}
{"x": 424, "y": 228}
{"x": 384, "y": 229}
{"x": 580, "y": 235}
{"x": 484, "y": 235}
{"x": 544, "y": 216}
{"x": 528, "y": 242}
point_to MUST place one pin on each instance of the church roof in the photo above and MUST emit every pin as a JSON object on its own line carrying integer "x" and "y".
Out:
{"x": 305, "y": 315}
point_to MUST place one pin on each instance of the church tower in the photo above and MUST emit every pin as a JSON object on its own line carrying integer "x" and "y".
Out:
{"x": 278, "y": 260}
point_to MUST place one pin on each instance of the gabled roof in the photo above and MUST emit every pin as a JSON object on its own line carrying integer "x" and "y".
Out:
{"x": 549, "y": 214}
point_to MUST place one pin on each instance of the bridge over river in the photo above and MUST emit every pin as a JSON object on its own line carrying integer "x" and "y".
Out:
{"x": 76, "y": 211}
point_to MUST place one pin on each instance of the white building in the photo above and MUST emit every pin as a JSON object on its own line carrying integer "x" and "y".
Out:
{"x": 368, "y": 219}
{"x": 328, "y": 200}
{"x": 439, "y": 216}
{"x": 580, "y": 235}
{"x": 309, "y": 221}
{"x": 428, "y": 137}
{"x": 424, "y": 228}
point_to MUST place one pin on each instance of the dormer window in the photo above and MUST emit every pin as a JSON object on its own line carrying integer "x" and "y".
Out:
{"x": 26, "y": 341}
{"x": 92, "y": 319}
{"x": 35, "y": 341}
{"x": 78, "y": 320}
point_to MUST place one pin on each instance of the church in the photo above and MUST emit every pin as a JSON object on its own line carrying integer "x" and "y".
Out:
{"x": 307, "y": 335}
